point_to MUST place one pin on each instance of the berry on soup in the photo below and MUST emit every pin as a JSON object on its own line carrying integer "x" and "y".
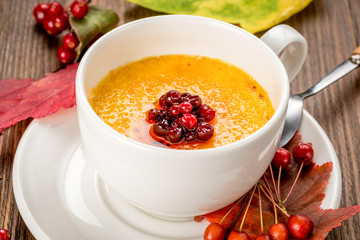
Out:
{"x": 185, "y": 96}
{"x": 204, "y": 131}
{"x": 180, "y": 118}
{"x": 160, "y": 127}
{"x": 175, "y": 110}
{"x": 174, "y": 134}
{"x": 186, "y": 107}
{"x": 207, "y": 112}
{"x": 189, "y": 121}
{"x": 152, "y": 115}
{"x": 195, "y": 101}
{"x": 172, "y": 97}
{"x": 190, "y": 136}
{"x": 162, "y": 101}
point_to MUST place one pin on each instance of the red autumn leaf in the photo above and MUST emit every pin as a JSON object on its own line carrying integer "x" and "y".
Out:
{"x": 305, "y": 199}
{"x": 24, "y": 98}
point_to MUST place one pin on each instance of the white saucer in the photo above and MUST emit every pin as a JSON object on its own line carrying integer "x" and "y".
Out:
{"x": 61, "y": 197}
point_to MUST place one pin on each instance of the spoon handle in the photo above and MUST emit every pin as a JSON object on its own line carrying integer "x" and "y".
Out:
{"x": 341, "y": 70}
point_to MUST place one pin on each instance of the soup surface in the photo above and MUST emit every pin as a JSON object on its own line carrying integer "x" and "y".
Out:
{"x": 124, "y": 96}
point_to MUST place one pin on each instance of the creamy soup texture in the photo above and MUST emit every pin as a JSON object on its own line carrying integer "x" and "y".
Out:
{"x": 122, "y": 98}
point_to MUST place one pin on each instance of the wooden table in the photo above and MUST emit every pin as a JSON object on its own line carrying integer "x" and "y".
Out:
{"x": 332, "y": 29}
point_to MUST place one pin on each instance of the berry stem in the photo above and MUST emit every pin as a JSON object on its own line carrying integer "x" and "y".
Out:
{"x": 292, "y": 187}
{"x": 260, "y": 208}
{"x": 268, "y": 186}
{"x": 278, "y": 189}
{"x": 240, "y": 211}
{"x": 273, "y": 181}
{"x": 273, "y": 201}
{"x": 247, "y": 208}
{"x": 237, "y": 202}
{"x": 272, "y": 197}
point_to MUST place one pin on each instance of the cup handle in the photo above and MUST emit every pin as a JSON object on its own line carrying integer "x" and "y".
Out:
{"x": 289, "y": 45}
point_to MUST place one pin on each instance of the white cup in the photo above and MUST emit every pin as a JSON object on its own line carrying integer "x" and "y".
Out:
{"x": 179, "y": 184}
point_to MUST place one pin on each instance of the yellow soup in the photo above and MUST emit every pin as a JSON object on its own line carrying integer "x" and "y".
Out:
{"x": 124, "y": 96}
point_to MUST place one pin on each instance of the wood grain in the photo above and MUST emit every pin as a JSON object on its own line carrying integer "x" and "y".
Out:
{"x": 357, "y": 50}
{"x": 332, "y": 29}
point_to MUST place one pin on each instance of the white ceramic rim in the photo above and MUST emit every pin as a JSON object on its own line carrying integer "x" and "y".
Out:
{"x": 109, "y": 130}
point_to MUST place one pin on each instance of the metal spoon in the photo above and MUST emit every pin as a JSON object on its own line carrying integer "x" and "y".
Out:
{"x": 295, "y": 105}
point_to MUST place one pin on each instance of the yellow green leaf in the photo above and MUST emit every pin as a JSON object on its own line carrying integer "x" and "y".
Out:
{"x": 97, "y": 21}
{"x": 252, "y": 15}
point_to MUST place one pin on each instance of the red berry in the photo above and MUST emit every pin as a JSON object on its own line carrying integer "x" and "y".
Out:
{"x": 262, "y": 237}
{"x": 235, "y": 235}
{"x": 207, "y": 113}
{"x": 79, "y": 9}
{"x": 175, "y": 110}
{"x": 55, "y": 9}
{"x": 4, "y": 234}
{"x": 190, "y": 136}
{"x": 214, "y": 232}
{"x": 303, "y": 153}
{"x": 281, "y": 158}
{"x": 164, "y": 114}
{"x": 174, "y": 134}
{"x": 66, "y": 15}
{"x": 61, "y": 23}
{"x": 70, "y": 41}
{"x": 177, "y": 123}
{"x": 279, "y": 231}
{"x": 195, "y": 101}
{"x": 161, "y": 127}
{"x": 185, "y": 96}
{"x": 49, "y": 26}
{"x": 40, "y": 12}
{"x": 185, "y": 107}
{"x": 162, "y": 101}
{"x": 189, "y": 121}
{"x": 152, "y": 115}
{"x": 300, "y": 226}
{"x": 172, "y": 97}
{"x": 65, "y": 55}
{"x": 204, "y": 131}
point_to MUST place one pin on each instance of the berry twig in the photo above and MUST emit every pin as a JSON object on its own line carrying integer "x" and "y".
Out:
{"x": 293, "y": 185}
{"x": 260, "y": 208}
{"x": 247, "y": 208}
{"x": 273, "y": 181}
{"x": 283, "y": 210}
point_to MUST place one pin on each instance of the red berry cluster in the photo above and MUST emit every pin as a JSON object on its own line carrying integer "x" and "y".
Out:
{"x": 4, "y": 234}
{"x": 55, "y": 19}
{"x": 181, "y": 117}
{"x": 298, "y": 226}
